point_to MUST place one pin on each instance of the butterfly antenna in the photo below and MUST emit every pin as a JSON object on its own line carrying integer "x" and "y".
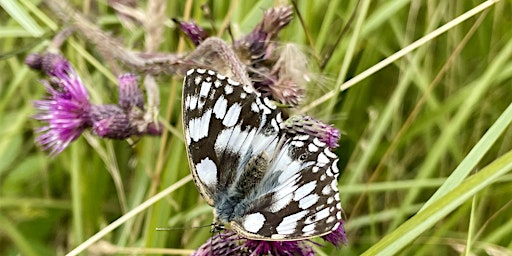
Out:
{"x": 183, "y": 228}
{"x": 330, "y": 51}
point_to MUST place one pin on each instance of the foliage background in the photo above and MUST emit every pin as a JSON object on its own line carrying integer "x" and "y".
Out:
{"x": 408, "y": 129}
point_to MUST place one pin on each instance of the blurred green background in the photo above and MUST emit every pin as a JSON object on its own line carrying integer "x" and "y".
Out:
{"x": 411, "y": 128}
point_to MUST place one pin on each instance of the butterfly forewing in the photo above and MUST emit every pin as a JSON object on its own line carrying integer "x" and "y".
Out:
{"x": 225, "y": 124}
{"x": 228, "y": 128}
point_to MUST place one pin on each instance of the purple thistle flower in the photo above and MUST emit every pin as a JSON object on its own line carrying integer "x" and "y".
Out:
{"x": 129, "y": 93}
{"x": 259, "y": 44}
{"x": 111, "y": 121}
{"x": 193, "y": 31}
{"x": 285, "y": 248}
{"x": 230, "y": 243}
{"x": 337, "y": 237}
{"x": 67, "y": 110}
{"x": 308, "y": 125}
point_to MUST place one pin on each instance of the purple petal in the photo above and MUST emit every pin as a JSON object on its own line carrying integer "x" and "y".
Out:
{"x": 336, "y": 237}
{"x": 67, "y": 108}
{"x": 129, "y": 93}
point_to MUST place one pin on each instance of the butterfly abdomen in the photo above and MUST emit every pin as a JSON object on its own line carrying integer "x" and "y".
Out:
{"x": 228, "y": 204}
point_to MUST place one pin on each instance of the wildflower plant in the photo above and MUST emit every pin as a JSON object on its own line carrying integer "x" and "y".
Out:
{"x": 68, "y": 112}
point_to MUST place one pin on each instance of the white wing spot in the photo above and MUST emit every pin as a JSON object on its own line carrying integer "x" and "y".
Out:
{"x": 335, "y": 166}
{"x": 315, "y": 169}
{"x": 304, "y": 190}
{"x": 289, "y": 223}
{"x": 211, "y": 72}
{"x": 309, "y": 229}
{"x": 243, "y": 95}
{"x": 312, "y": 147}
{"x": 219, "y": 109}
{"x": 217, "y": 83}
{"x": 308, "y": 201}
{"x": 319, "y": 143}
{"x": 198, "y": 80}
{"x": 198, "y": 127}
{"x": 268, "y": 103}
{"x": 201, "y": 70}
{"x": 187, "y": 102}
{"x": 322, "y": 159}
{"x": 324, "y": 213}
{"x": 205, "y": 89}
{"x": 233, "y": 82}
{"x": 281, "y": 199}
{"x": 329, "y": 153}
{"x": 302, "y": 137}
{"x": 281, "y": 203}
{"x": 254, "y": 107}
{"x": 228, "y": 89}
{"x": 207, "y": 172}
{"x": 326, "y": 190}
{"x": 248, "y": 89}
{"x": 190, "y": 72}
{"x": 221, "y": 77}
{"x": 279, "y": 118}
{"x": 193, "y": 102}
{"x": 336, "y": 226}
{"x": 222, "y": 140}
{"x": 277, "y": 237}
{"x": 297, "y": 143}
{"x": 232, "y": 115}
{"x": 329, "y": 172}
{"x": 262, "y": 106}
{"x": 334, "y": 185}
{"x": 253, "y": 222}
{"x": 274, "y": 124}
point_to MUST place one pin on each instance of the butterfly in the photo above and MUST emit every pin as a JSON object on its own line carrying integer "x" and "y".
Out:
{"x": 266, "y": 182}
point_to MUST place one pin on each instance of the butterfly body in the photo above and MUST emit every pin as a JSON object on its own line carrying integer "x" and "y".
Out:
{"x": 269, "y": 184}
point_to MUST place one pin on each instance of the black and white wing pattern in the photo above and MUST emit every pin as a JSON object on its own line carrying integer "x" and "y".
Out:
{"x": 267, "y": 183}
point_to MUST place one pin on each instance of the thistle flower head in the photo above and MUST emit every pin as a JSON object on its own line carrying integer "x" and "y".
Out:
{"x": 230, "y": 243}
{"x": 111, "y": 121}
{"x": 307, "y": 125}
{"x": 129, "y": 93}
{"x": 193, "y": 31}
{"x": 259, "y": 44}
{"x": 66, "y": 110}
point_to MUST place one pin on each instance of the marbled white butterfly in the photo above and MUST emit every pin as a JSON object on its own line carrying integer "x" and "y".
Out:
{"x": 267, "y": 183}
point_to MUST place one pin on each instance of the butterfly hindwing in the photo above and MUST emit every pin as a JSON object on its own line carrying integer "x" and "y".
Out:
{"x": 305, "y": 200}
{"x": 268, "y": 183}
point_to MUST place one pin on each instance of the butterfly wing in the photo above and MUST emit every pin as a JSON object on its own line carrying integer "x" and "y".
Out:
{"x": 225, "y": 125}
{"x": 299, "y": 196}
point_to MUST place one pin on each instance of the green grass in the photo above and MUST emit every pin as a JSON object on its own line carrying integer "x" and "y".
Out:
{"x": 426, "y": 145}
